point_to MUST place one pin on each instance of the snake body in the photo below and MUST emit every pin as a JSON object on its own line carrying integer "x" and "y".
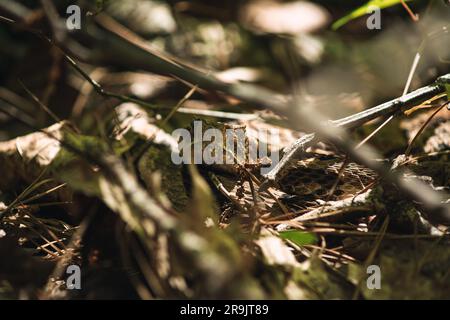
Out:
{"x": 314, "y": 177}
{"x": 310, "y": 178}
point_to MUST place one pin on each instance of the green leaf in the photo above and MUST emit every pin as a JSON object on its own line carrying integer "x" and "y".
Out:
{"x": 300, "y": 238}
{"x": 363, "y": 10}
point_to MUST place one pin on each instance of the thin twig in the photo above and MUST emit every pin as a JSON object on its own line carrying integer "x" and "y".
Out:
{"x": 422, "y": 128}
{"x": 414, "y": 17}
{"x": 39, "y": 103}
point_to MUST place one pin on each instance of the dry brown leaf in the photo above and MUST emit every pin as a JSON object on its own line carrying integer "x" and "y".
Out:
{"x": 284, "y": 18}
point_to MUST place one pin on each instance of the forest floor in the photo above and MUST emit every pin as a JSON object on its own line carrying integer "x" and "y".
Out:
{"x": 114, "y": 147}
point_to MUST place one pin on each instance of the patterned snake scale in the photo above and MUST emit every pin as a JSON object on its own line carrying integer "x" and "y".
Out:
{"x": 316, "y": 176}
{"x": 310, "y": 179}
